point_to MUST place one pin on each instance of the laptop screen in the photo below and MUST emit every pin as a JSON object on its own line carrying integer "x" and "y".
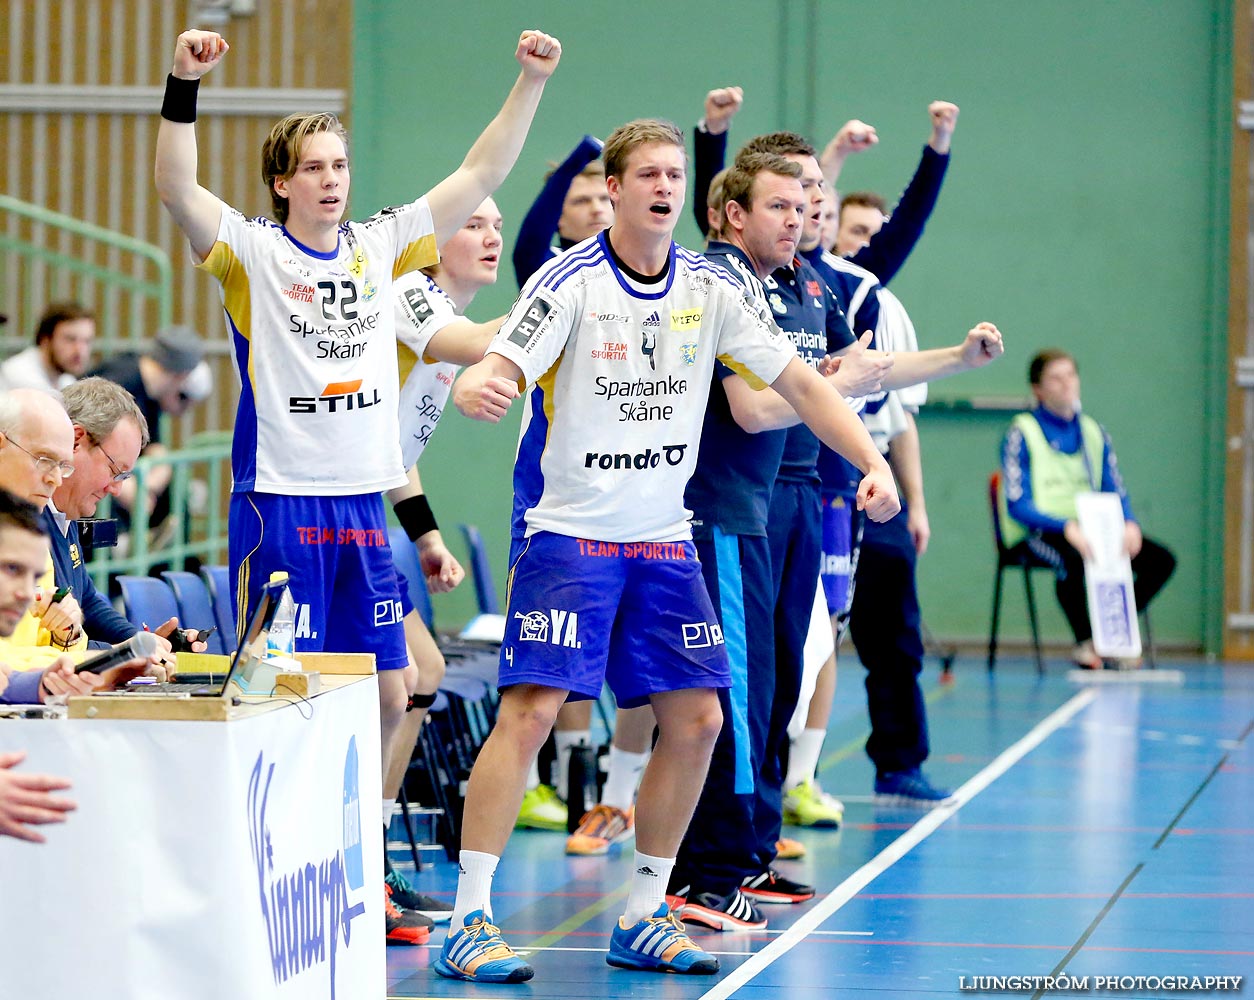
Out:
{"x": 248, "y": 655}
{"x": 252, "y": 648}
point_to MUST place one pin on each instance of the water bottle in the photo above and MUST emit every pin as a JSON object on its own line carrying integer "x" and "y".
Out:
{"x": 281, "y": 640}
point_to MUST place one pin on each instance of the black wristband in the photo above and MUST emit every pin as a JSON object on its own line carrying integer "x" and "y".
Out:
{"x": 420, "y": 701}
{"x": 415, "y": 516}
{"x": 180, "y": 100}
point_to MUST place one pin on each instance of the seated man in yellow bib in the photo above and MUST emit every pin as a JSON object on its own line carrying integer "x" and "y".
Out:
{"x": 1048, "y": 456}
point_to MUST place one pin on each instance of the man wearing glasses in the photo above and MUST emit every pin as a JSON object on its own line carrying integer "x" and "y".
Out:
{"x": 36, "y": 457}
{"x": 109, "y": 432}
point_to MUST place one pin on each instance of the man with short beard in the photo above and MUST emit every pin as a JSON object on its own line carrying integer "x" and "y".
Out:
{"x": 61, "y": 353}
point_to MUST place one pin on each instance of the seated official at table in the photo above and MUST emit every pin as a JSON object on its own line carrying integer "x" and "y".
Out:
{"x": 109, "y": 433}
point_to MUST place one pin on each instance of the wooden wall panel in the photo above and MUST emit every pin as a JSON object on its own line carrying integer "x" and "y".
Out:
{"x": 79, "y": 100}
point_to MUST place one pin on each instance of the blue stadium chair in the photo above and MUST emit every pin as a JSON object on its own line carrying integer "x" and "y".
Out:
{"x": 218, "y": 582}
{"x": 405, "y": 559}
{"x": 195, "y": 606}
{"x": 481, "y": 570}
{"x": 147, "y": 601}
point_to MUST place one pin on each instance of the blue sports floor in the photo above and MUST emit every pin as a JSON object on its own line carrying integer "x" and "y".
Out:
{"x": 1100, "y": 831}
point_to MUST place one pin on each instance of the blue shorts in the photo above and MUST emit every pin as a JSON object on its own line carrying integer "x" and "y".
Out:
{"x": 335, "y": 549}
{"x": 837, "y": 550}
{"x": 402, "y": 588}
{"x": 633, "y": 614}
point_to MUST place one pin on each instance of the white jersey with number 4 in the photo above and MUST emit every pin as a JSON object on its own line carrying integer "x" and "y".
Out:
{"x": 315, "y": 348}
{"x": 619, "y": 373}
{"x": 423, "y": 309}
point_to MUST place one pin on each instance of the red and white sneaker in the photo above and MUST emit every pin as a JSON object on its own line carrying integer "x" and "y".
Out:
{"x": 721, "y": 913}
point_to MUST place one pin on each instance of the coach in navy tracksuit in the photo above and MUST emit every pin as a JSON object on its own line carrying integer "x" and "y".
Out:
{"x": 805, "y": 309}
{"x": 744, "y": 485}
{"x": 729, "y": 495}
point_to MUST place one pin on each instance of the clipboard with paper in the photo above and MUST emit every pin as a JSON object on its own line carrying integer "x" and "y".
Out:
{"x": 1108, "y": 577}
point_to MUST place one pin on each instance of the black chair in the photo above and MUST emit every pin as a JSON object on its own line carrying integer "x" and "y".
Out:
{"x": 1009, "y": 558}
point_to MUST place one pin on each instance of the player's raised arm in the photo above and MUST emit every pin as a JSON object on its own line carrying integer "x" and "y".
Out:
{"x": 491, "y": 158}
{"x": 196, "y": 209}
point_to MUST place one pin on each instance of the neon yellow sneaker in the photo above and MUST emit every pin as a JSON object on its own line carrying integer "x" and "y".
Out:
{"x": 809, "y": 805}
{"x": 542, "y": 809}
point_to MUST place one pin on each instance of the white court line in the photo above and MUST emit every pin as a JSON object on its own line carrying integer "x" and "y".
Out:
{"x": 808, "y": 922}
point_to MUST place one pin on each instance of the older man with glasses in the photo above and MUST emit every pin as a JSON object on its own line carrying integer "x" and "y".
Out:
{"x": 37, "y": 457}
{"x": 108, "y": 430}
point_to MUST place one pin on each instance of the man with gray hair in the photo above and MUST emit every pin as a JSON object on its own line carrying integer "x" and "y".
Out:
{"x": 36, "y": 456}
{"x": 109, "y": 432}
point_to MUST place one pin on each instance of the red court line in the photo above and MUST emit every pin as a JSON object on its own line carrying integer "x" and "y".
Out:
{"x": 1193, "y": 831}
{"x": 740, "y": 938}
{"x": 881, "y": 943}
{"x": 1053, "y": 895}
{"x": 701, "y": 934}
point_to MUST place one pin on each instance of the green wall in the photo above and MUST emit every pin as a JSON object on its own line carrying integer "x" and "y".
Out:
{"x": 1085, "y": 208}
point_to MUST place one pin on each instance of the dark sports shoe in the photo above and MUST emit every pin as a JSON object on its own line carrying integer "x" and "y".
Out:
{"x": 407, "y": 897}
{"x": 732, "y": 912}
{"x": 659, "y": 944}
{"x": 772, "y": 887}
{"x": 401, "y": 926}
{"x": 909, "y": 788}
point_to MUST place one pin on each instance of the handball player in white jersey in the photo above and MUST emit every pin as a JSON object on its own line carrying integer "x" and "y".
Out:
{"x": 616, "y": 341}
{"x": 434, "y": 340}
{"x": 309, "y": 309}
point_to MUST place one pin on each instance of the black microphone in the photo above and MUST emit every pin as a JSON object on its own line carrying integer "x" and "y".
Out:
{"x": 140, "y": 646}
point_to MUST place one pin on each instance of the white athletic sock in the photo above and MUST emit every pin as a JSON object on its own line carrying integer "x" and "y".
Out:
{"x": 803, "y": 757}
{"x": 474, "y": 886}
{"x": 649, "y": 877}
{"x": 533, "y": 776}
{"x": 389, "y": 807}
{"x": 623, "y": 778}
{"x": 565, "y": 739}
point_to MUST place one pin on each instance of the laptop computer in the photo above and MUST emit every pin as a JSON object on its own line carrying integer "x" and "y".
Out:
{"x": 247, "y": 656}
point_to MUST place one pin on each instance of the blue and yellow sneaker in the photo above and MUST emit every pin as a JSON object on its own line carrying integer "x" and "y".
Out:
{"x": 476, "y": 953}
{"x": 659, "y": 944}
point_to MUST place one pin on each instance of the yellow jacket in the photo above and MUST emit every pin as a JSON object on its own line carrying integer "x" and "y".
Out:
{"x": 30, "y": 647}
